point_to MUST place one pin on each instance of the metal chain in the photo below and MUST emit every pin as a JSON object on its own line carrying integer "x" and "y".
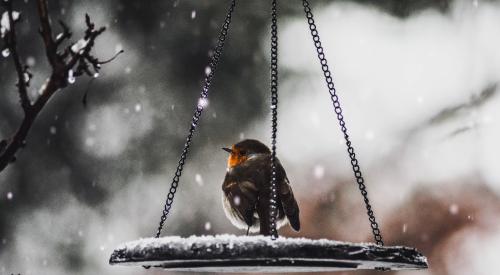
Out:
{"x": 273, "y": 213}
{"x": 196, "y": 116}
{"x": 338, "y": 110}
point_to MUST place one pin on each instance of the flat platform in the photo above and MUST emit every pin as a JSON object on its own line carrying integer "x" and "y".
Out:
{"x": 229, "y": 253}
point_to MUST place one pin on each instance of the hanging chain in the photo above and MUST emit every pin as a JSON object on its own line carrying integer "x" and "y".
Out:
{"x": 196, "y": 116}
{"x": 338, "y": 110}
{"x": 273, "y": 213}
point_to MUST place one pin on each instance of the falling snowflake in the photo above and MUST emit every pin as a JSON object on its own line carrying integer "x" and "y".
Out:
{"x": 89, "y": 141}
{"x": 237, "y": 200}
{"x": 198, "y": 179}
{"x": 208, "y": 70}
{"x": 30, "y": 61}
{"x": 453, "y": 209}
{"x": 208, "y": 226}
{"x": 319, "y": 172}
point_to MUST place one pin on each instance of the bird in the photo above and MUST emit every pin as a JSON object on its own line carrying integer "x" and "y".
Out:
{"x": 246, "y": 189}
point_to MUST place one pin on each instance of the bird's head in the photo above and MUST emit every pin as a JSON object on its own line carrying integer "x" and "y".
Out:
{"x": 243, "y": 150}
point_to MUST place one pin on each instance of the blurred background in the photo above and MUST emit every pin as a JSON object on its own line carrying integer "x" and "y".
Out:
{"x": 418, "y": 81}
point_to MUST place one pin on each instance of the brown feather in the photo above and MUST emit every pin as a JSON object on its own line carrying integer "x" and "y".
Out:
{"x": 246, "y": 189}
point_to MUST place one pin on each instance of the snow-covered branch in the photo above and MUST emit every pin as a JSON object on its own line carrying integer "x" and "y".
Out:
{"x": 69, "y": 62}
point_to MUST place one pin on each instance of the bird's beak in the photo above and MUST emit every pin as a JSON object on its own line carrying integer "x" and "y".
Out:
{"x": 227, "y": 150}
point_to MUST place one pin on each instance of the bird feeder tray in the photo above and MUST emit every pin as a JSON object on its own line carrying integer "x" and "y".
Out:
{"x": 229, "y": 253}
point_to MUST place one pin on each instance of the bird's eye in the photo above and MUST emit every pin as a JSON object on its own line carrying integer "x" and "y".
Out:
{"x": 243, "y": 153}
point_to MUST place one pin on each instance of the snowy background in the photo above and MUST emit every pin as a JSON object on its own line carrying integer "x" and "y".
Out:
{"x": 419, "y": 82}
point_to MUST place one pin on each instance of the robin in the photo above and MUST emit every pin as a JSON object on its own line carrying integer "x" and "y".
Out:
{"x": 246, "y": 189}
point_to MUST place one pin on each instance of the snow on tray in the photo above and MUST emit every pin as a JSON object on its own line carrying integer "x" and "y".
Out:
{"x": 225, "y": 238}
{"x": 161, "y": 251}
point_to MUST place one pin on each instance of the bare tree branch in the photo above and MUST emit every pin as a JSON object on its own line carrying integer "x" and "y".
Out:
{"x": 73, "y": 61}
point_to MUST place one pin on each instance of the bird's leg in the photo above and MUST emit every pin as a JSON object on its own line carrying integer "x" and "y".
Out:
{"x": 252, "y": 213}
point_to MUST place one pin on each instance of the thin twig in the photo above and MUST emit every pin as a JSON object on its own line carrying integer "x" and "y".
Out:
{"x": 66, "y": 34}
{"x": 46, "y": 32}
{"x": 112, "y": 58}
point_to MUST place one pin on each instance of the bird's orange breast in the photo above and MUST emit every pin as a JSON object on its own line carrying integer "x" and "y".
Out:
{"x": 235, "y": 159}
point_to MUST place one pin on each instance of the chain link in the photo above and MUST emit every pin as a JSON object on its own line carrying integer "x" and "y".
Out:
{"x": 338, "y": 110}
{"x": 196, "y": 116}
{"x": 273, "y": 213}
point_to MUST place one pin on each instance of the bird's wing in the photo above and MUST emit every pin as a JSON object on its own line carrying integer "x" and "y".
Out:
{"x": 262, "y": 175}
{"x": 290, "y": 206}
{"x": 243, "y": 198}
